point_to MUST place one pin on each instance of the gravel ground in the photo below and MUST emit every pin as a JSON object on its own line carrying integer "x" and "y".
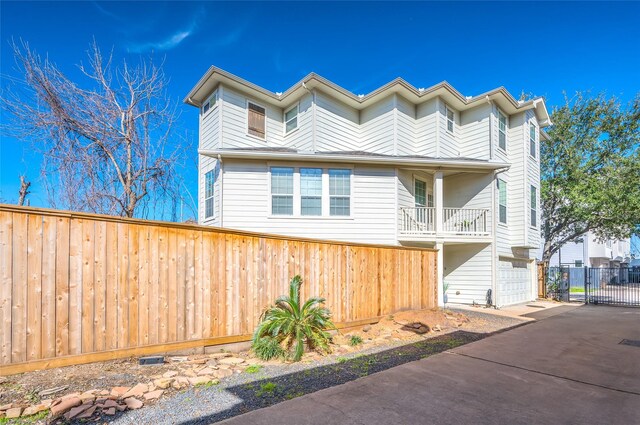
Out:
{"x": 275, "y": 383}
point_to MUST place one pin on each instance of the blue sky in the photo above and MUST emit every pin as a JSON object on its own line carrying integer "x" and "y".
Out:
{"x": 542, "y": 48}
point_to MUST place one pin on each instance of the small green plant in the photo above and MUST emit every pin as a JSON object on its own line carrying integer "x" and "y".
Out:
{"x": 292, "y": 325}
{"x": 342, "y": 359}
{"x": 26, "y": 420}
{"x": 208, "y": 384}
{"x": 268, "y": 348}
{"x": 254, "y": 368}
{"x": 355, "y": 340}
{"x": 268, "y": 388}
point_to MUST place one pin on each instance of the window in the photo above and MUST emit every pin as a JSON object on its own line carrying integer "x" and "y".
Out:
{"x": 291, "y": 119}
{"x": 502, "y": 131}
{"x": 311, "y": 191}
{"x": 420, "y": 193}
{"x": 256, "y": 121}
{"x": 533, "y": 131}
{"x": 502, "y": 201}
{"x": 534, "y": 206}
{"x": 339, "y": 192}
{"x": 210, "y": 102}
{"x": 281, "y": 191}
{"x": 450, "y": 119}
{"x": 209, "y": 183}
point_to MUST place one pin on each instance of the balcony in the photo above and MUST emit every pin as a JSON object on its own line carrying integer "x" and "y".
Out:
{"x": 421, "y": 223}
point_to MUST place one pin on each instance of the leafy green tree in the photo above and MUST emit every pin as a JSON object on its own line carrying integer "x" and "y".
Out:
{"x": 591, "y": 171}
{"x": 290, "y": 325}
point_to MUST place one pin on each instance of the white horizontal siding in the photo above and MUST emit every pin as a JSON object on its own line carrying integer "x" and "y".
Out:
{"x": 449, "y": 141}
{"x": 377, "y": 127}
{"x": 467, "y": 272}
{"x": 405, "y": 127}
{"x": 246, "y": 206}
{"x": 425, "y": 139}
{"x": 210, "y": 129}
{"x": 468, "y": 190}
{"x": 302, "y": 138}
{"x": 532, "y": 178}
{"x": 474, "y": 132}
{"x": 207, "y": 164}
{"x": 337, "y": 125}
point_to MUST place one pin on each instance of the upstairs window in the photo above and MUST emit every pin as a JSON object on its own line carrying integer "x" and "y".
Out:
{"x": 339, "y": 192}
{"x": 310, "y": 191}
{"x": 534, "y": 206}
{"x": 256, "y": 122}
{"x": 450, "y": 119}
{"x": 502, "y": 131}
{"x": 210, "y": 102}
{"x": 420, "y": 193}
{"x": 502, "y": 201}
{"x": 291, "y": 119}
{"x": 533, "y": 132}
{"x": 281, "y": 191}
{"x": 209, "y": 184}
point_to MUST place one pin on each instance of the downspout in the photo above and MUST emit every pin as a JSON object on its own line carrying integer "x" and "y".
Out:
{"x": 491, "y": 114}
{"x": 221, "y": 187}
{"x": 494, "y": 243}
{"x": 313, "y": 116}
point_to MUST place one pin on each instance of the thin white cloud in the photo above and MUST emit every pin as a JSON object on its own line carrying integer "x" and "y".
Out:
{"x": 170, "y": 42}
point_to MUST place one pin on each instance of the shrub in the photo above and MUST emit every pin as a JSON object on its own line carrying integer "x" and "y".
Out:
{"x": 291, "y": 324}
{"x": 355, "y": 340}
{"x": 268, "y": 348}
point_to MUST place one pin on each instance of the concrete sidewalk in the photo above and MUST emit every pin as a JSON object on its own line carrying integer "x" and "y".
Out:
{"x": 569, "y": 368}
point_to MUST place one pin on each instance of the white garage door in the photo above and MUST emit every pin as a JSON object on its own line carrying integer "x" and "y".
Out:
{"x": 514, "y": 282}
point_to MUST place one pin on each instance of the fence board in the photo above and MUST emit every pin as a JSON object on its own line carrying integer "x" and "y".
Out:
{"x": 82, "y": 287}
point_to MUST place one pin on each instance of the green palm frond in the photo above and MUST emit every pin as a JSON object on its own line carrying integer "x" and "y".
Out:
{"x": 292, "y": 325}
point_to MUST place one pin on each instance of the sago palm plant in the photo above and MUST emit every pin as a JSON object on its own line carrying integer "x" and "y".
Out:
{"x": 288, "y": 325}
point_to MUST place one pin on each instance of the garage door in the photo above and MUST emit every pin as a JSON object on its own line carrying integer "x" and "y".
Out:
{"x": 514, "y": 282}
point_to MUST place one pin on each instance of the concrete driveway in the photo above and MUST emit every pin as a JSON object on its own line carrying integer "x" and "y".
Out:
{"x": 566, "y": 369}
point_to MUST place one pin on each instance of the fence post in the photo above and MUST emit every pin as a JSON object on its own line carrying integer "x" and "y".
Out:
{"x": 586, "y": 285}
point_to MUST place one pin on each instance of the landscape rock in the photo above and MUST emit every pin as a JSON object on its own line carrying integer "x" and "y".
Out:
{"x": 205, "y": 371}
{"x": 189, "y": 372}
{"x": 52, "y": 391}
{"x": 133, "y": 403}
{"x": 13, "y": 413}
{"x": 74, "y": 412}
{"x": 163, "y": 383}
{"x": 179, "y": 359}
{"x": 119, "y": 391}
{"x": 153, "y": 395}
{"x": 199, "y": 380}
{"x": 110, "y": 411}
{"x": 6, "y": 406}
{"x": 170, "y": 374}
{"x": 222, "y": 373}
{"x": 65, "y": 405}
{"x": 231, "y": 361}
{"x": 212, "y": 363}
{"x": 32, "y": 410}
{"x": 366, "y": 328}
{"x": 220, "y": 355}
{"x": 136, "y": 391}
{"x": 87, "y": 413}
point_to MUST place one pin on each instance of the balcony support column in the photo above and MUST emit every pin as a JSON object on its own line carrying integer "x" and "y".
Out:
{"x": 440, "y": 273}
{"x": 438, "y": 202}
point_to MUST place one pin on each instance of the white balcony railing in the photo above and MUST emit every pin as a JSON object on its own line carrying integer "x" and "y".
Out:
{"x": 421, "y": 221}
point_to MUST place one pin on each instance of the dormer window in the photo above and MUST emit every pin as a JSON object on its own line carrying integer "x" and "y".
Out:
{"x": 291, "y": 119}
{"x": 256, "y": 123}
{"x": 210, "y": 102}
{"x": 450, "y": 119}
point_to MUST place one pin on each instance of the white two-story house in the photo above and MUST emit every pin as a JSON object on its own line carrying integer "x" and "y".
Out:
{"x": 590, "y": 251}
{"x": 400, "y": 166}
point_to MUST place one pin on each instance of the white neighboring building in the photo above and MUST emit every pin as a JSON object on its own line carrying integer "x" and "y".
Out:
{"x": 400, "y": 165}
{"x": 590, "y": 252}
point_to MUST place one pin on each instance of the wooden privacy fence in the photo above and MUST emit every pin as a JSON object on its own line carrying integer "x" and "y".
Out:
{"x": 77, "y": 288}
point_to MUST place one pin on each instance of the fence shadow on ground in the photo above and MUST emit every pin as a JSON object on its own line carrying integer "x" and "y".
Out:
{"x": 272, "y": 390}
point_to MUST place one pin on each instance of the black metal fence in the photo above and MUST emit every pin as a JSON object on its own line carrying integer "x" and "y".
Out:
{"x": 595, "y": 285}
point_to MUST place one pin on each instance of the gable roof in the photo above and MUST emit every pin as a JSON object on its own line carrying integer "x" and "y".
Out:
{"x": 216, "y": 76}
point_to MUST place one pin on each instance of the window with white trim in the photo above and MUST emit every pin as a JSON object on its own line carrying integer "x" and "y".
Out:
{"x": 339, "y": 192}
{"x": 281, "y": 190}
{"x": 256, "y": 122}
{"x": 502, "y": 201}
{"x": 291, "y": 119}
{"x": 533, "y": 132}
{"x": 310, "y": 191}
{"x": 210, "y": 102}
{"x": 209, "y": 185}
{"x": 534, "y": 206}
{"x": 450, "y": 118}
{"x": 502, "y": 131}
{"x": 420, "y": 193}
